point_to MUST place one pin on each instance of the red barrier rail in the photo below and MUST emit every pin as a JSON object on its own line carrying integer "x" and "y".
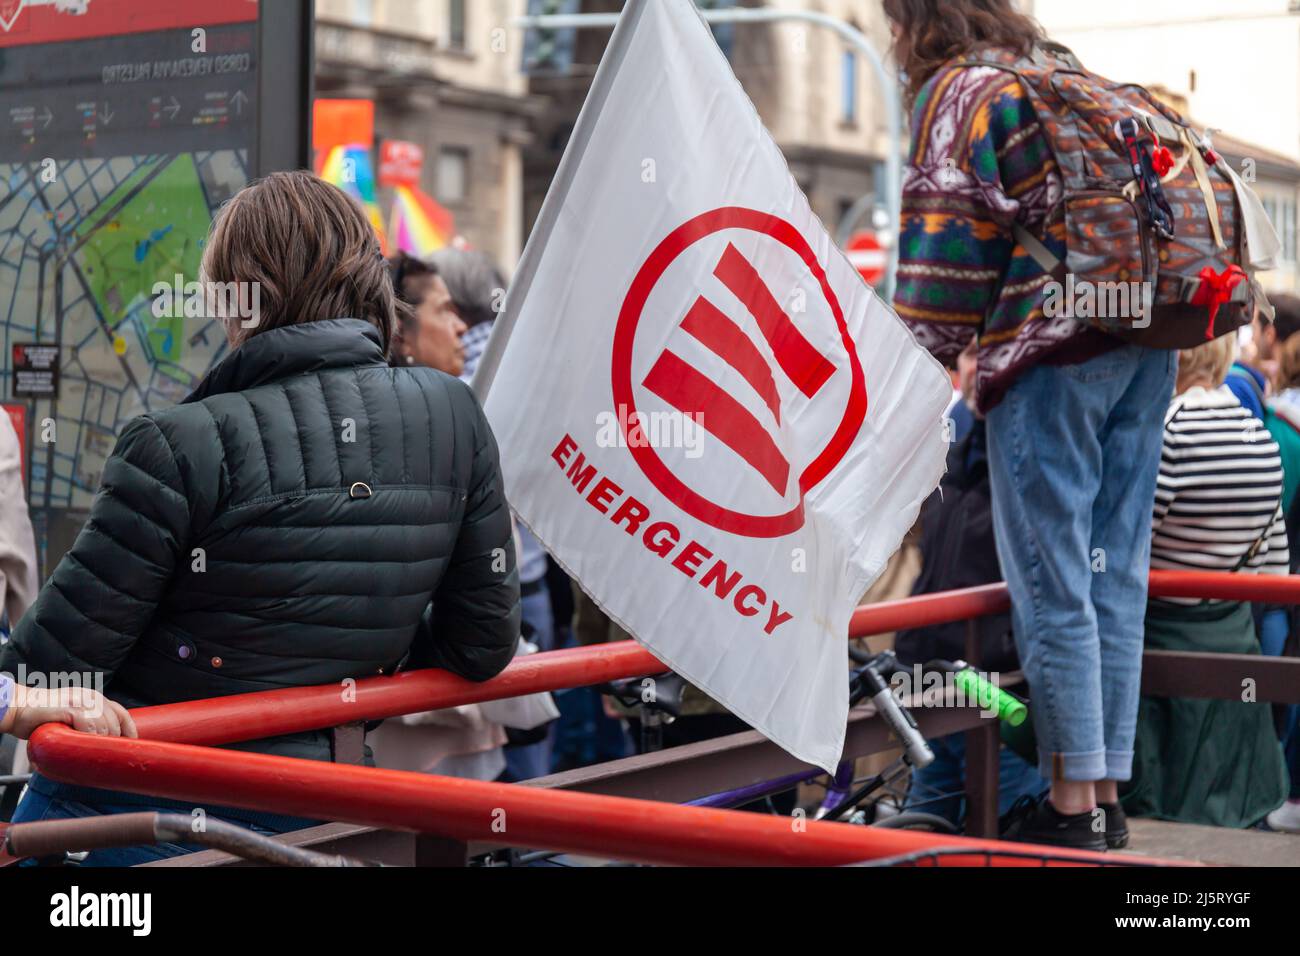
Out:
{"x": 225, "y": 720}
{"x": 242, "y": 717}
{"x": 621, "y": 828}
{"x": 926, "y": 610}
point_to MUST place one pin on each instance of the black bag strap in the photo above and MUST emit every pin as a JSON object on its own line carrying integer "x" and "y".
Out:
{"x": 1259, "y": 542}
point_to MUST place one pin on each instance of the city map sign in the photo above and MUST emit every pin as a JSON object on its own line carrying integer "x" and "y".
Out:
{"x": 124, "y": 124}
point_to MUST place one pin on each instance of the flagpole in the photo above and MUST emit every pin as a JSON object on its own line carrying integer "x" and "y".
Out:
{"x": 624, "y": 27}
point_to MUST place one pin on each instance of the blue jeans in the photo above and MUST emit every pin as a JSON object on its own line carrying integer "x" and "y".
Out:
{"x": 1073, "y": 455}
{"x": 47, "y": 800}
{"x": 947, "y": 775}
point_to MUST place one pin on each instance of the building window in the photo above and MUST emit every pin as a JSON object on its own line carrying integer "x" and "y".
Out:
{"x": 453, "y": 174}
{"x": 849, "y": 79}
{"x": 1282, "y": 214}
{"x": 362, "y": 13}
{"x": 456, "y": 24}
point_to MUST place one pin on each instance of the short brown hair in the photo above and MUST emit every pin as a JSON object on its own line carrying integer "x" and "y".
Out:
{"x": 932, "y": 32}
{"x": 310, "y": 249}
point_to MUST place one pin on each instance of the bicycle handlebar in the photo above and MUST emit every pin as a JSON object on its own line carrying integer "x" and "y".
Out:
{"x": 1010, "y": 709}
{"x": 898, "y": 718}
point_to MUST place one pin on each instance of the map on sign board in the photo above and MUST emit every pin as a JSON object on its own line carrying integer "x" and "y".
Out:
{"x": 120, "y": 136}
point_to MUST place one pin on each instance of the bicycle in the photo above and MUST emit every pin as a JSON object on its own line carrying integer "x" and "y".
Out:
{"x": 657, "y": 699}
{"x": 871, "y": 680}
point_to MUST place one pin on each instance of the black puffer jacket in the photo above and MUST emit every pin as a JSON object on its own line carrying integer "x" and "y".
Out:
{"x": 288, "y": 525}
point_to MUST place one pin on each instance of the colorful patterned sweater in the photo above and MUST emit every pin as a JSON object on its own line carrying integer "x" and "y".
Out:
{"x": 979, "y": 162}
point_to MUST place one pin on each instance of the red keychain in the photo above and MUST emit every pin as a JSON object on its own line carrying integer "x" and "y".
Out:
{"x": 1162, "y": 160}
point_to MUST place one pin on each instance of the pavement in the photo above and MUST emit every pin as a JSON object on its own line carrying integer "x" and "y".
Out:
{"x": 1213, "y": 845}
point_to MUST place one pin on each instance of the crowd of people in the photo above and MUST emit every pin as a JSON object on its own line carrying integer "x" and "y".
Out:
{"x": 1099, "y": 456}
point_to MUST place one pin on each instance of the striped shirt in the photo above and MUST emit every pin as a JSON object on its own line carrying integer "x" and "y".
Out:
{"x": 1218, "y": 495}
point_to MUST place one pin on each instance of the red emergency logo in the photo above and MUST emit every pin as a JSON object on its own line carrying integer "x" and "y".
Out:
{"x": 749, "y": 424}
{"x": 9, "y": 10}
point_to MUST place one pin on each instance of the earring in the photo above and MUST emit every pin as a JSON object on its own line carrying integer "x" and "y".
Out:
{"x": 410, "y": 360}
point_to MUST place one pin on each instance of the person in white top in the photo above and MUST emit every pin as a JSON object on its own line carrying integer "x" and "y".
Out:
{"x": 18, "y": 576}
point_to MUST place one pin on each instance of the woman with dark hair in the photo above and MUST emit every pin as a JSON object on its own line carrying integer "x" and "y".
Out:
{"x": 1073, "y": 415}
{"x": 309, "y": 515}
{"x": 430, "y": 331}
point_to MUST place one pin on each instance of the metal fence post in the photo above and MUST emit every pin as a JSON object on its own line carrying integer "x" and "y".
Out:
{"x": 982, "y": 746}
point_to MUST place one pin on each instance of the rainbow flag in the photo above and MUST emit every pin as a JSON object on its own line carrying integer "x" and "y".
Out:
{"x": 420, "y": 226}
{"x": 350, "y": 169}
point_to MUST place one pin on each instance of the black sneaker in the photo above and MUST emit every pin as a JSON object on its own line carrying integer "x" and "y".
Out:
{"x": 1116, "y": 825}
{"x": 1035, "y": 820}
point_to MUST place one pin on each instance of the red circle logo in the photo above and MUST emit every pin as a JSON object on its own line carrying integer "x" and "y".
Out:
{"x": 811, "y": 370}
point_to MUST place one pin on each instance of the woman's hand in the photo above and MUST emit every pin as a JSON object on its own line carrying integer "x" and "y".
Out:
{"x": 81, "y": 708}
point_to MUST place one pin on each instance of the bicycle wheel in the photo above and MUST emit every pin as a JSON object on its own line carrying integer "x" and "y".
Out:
{"x": 915, "y": 820}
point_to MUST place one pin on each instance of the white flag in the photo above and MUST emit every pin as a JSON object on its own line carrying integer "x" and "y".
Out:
{"x": 703, "y": 412}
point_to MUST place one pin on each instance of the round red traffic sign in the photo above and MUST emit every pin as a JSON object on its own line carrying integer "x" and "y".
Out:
{"x": 868, "y": 256}
{"x": 647, "y": 458}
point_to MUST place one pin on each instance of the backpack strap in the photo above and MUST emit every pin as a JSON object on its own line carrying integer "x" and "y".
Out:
{"x": 1203, "y": 180}
{"x": 1037, "y": 251}
{"x": 1050, "y": 48}
{"x": 1161, "y": 127}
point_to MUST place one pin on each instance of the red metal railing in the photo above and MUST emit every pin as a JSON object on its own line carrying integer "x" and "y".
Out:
{"x": 635, "y": 830}
{"x": 226, "y": 720}
{"x": 164, "y": 763}
{"x": 242, "y": 717}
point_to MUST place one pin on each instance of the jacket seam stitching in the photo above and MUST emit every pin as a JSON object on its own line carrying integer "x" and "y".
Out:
{"x": 401, "y": 415}
{"x": 370, "y": 427}
{"x": 111, "y": 487}
{"x": 54, "y": 583}
{"x": 428, "y": 411}
{"x": 334, "y": 423}
{"x": 261, "y": 440}
{"x": 99, "y": 578}
{"x": 340, "y": 490}
{"x": 225, "y": 454}
{"x": 297, "y": 434}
